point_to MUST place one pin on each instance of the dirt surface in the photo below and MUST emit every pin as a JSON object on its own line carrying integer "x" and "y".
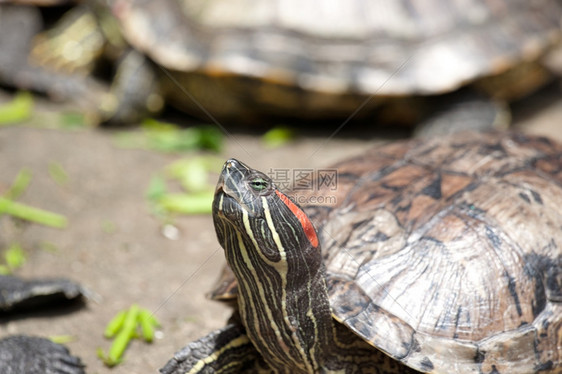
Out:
{"x": 114, "y": 246}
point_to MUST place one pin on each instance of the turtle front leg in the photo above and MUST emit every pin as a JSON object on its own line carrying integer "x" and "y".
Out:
{"x": 351, "y": 354}
{"x": 227, "y": 350}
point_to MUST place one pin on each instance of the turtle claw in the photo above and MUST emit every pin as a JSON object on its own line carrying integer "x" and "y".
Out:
{"x": 35, "y": 355}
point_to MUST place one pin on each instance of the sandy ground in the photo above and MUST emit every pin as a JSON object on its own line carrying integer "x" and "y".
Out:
{"x": 114, "y": 245}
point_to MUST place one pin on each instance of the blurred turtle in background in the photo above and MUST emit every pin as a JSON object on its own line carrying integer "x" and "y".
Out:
{"x": 244, "y": 61}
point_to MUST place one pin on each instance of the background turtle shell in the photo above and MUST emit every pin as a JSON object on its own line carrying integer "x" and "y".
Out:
{"x": 325, "y": 58}
{"x": 446, "y": 253}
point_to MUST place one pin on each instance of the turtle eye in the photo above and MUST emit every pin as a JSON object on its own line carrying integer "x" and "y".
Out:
{"x": 258, "y": 184}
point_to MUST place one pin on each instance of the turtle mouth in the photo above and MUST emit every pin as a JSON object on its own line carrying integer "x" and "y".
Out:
{"x": 225, "y": 205}
{"x": 222, "y": 193}
{"x": 230, "y": 179}
{"x": 219, "y": 190}
{"x": 232, "y": 194}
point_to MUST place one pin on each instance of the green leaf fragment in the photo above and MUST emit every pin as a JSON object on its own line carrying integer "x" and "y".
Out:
{"x": 156, "y": 125}
{"x": 209, "y": 162}
{"x": 156, "y": 188}
{"x": 17, "y": 110}
{"x": 130, "y": 321}
{"x": 167, "y": 137}
{"x": 118, "y": 347}
{"x": 26, "y": 212}
{"x": 177, "y": 140}
{"x": 106, "y": 359}
{"x": 15, "y": 257}
{"x": 193, "y": 173}
{"x": 19, "y": 185}
{"x": 32, "y": 214}
{"x": 210, "y": 138}
{"x": 196, "y": 203}
{"x": 72, "y": 120}
{"x": 62, "y": 339}
{"x": 57, "y": 173}
{"x": 115, "y": 324}
{"x": 123, "y": 337}
{"x": 190, "y": 319}
{"x": 49, "y": 247}
{"x": 195, "y": 177}
{"x": 130, "y": 139}
{"x": 123, "y": 328}
{"x": 148, "y": 322}
{"x": 278, "y": 136}
{"x": 109, "y": 227}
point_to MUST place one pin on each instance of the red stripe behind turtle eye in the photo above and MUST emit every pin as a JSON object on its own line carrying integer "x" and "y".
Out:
{"x": 303, "y": 219}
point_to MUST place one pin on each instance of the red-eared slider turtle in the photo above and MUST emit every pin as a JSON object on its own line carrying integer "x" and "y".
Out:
{"x": 242, "y": 59}
{"x": 445, "y": 254}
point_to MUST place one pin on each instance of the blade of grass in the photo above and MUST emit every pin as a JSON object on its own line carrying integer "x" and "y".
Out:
{"x": 20, "y": 184}
{"x": 57, "y": 173}
{"x": 32, "y": 214}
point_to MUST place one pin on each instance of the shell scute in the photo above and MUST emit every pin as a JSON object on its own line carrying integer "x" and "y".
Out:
{"x": 396, "y": 339}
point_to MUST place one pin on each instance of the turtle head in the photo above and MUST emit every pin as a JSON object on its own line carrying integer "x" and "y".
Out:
{"x": 272, "y": 248}
{"x": 249, "y": 205}
{"x": 240, "y": 187}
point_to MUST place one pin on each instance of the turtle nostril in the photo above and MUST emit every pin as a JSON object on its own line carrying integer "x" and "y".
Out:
{"x": 230, "y": 163}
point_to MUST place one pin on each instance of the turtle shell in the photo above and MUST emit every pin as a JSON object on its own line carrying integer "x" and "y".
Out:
{"x": 445, "y": 253}
{"x": 327, "y": 59}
